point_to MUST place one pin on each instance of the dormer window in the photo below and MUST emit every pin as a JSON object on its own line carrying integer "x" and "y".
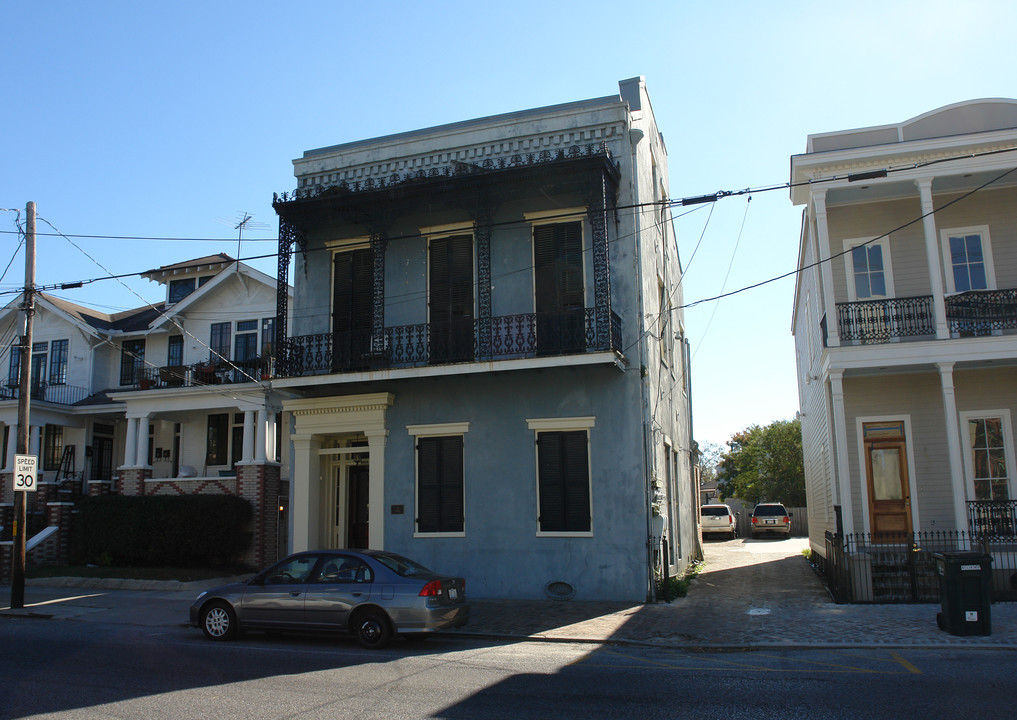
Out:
{"x": 179, "y": 289}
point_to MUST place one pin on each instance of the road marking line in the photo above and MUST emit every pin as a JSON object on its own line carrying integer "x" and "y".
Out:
{"x": 907, "y": 666}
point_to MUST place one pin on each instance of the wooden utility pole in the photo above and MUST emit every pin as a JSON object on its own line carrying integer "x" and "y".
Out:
{"x": 24, "y": 395}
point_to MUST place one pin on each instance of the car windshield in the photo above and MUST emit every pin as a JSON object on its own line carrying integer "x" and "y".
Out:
{"x": 715, "y": 510}
{"x": 401, "y": 565}
{"x": 769, "y": 510}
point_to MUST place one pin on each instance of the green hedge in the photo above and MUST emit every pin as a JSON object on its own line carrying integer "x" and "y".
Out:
{"x": 162, "y": 531}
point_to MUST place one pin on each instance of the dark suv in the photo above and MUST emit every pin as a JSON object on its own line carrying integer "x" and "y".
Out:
{"x": 771, "y": 517}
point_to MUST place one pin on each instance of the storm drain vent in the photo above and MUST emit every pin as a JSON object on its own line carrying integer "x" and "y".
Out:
{"x": 560, "y": 590}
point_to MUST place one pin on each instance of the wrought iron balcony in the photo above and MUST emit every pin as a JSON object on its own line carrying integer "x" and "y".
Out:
{"x": 205, "y": 373}
{"x": 882, "y": 321}
{"x": 503, "y": 338}
{"x": 970, "y": 314}
{"x": 981, "y": 312}
{"x": 44, "y": 392}
{"x": 992, "y": 518}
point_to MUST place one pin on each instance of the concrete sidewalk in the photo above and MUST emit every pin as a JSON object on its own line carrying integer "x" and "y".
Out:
{"x": 797, "y": 617}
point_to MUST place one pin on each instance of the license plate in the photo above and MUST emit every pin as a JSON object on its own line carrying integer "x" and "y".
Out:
{"x": 453, "y": 594}
{"x": 771, "y": 522}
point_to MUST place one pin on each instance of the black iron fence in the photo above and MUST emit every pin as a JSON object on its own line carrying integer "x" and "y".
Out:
{"x": 900, "y": 568}
{"x": 44, "y": 392}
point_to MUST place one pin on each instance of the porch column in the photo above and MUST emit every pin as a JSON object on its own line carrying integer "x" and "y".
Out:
{"x": 376, "y": 496}
{"x": 34, "y": 441}
{"x": 953, "y": 447}
{"x": 826, "y": 267}
{"x": 259, "y": 437}
{"x": 932, "y": 256}
{"x": 270, "y": 430}
{"x": 12, "y": 448}
{"x": 142, "y": 457}
{"x": 843, "y": 468}
{"x": 249, "y": 433}
{"x": 306, "y": 491}
{"x": 131, "y": 443}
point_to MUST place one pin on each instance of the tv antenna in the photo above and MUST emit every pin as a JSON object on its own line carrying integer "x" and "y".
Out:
{"x": 243, "y": 221}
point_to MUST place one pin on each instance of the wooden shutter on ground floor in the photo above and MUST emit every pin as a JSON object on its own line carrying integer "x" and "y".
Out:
{"x": 564, "y": 479}
{"x": 440, "y": 484}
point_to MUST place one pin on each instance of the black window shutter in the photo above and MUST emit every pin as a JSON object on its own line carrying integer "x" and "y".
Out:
{"x": 440, "y": 484}
{"x": 564, "y": 479}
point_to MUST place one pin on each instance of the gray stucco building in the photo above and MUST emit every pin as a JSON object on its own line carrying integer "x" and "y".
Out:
{"x": 487, "y": 369}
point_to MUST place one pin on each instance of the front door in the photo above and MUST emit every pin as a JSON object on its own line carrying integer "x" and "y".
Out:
{"x": 359, "y": 490}
{"x": 887, "y": 473}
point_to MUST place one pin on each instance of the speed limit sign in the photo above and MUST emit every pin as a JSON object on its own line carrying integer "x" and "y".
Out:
{"x": 24, "y": 472}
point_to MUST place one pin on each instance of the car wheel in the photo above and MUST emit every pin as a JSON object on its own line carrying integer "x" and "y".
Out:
{"x": 372, "y": 629}
{"x": 218, "y": 621}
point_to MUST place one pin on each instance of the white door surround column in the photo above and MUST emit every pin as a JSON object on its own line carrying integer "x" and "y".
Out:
{"x": 953, "y": 445}
{"x": 843, "y": 467}
{"x": 826, "y": 268}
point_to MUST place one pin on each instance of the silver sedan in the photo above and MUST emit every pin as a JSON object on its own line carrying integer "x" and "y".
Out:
{"x": 368, "y": 593}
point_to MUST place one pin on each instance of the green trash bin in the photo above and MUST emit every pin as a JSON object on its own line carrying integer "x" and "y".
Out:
{"x": 965, "y": 590}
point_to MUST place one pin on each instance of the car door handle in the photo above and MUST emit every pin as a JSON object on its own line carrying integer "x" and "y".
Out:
{"x": 356, "y": 594}
{"x": 295, "y": 593}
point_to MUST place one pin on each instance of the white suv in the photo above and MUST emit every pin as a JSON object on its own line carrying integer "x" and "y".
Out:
{"x": 718, "y": 519}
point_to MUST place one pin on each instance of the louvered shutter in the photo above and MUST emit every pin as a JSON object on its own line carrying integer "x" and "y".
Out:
{"x": 428, "y": 484}
{"x": 450, "y": 277}
{"x": 440, "y": 484}
{"x": 559, "y": 292}
{"x": 564, "y": 481}
{"x": 352, "y": 307}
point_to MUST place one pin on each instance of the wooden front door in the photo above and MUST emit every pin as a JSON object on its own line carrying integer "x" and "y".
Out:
{"x": 357, "y": 508}
{"x": 889, "y": 490}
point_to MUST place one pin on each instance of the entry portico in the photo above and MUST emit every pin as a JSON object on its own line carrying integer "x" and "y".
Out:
{"x": 331, "y": 437}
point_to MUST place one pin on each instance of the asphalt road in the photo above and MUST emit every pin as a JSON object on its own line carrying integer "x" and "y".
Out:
{"x": 67, "y": 669}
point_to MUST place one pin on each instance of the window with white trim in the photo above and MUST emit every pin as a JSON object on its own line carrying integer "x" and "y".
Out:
{"x": 869, "y": 275}
{"x": 440, "y": 505}
{"x": 989, "y": 454}
{"x": 967, "y": 259}
{"x": 564, "y": 496}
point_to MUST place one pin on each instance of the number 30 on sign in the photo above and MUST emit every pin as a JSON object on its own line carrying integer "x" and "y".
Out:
{"x": 24, "y": 472}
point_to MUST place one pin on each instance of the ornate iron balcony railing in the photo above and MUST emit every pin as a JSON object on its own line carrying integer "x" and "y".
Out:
{"x": 511, "y": 337}
{"x": 993, "y": 518}
{"x": 44, "y": 392}
{"x": 982, "y": 312}
{"x": 880, "y": 321}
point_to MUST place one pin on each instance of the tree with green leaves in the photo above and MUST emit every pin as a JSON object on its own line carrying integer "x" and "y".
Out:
{"x": 764, "y": 464}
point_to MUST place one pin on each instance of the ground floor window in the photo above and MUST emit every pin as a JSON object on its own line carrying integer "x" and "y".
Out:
{"x": 53, "y": 447}
{"x": 217, "y": 441}
{"x": 563, "y": 481}
{"x": 988, "y": 456}
{"x": 440, "y": 484}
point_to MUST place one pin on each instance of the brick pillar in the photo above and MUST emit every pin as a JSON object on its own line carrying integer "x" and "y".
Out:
{"x": 60, "y": 515}
{"x": 99, "y": 487}
{"x": 259, "y": 483}
{"x": 6, "y": 487}
{"x": 132, "y": 480}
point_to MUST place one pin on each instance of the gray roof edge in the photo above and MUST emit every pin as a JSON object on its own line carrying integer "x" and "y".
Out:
{"x": 578, "y": 105}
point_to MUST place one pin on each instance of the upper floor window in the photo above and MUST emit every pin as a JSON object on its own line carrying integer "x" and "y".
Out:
{"x": 132, "y": 360}
{"x": 268, "y": 337}
{"x": 175, "y": 350}
{"x": 179, "y": 289}
{"x": 967, "y": 257}
{"x": 219, "y": 342}
{"x": 58, "y": 362}
{"x": 869, "y": 274}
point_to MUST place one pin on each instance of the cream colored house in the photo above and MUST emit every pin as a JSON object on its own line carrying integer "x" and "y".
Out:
{"x": 905, "y": 323}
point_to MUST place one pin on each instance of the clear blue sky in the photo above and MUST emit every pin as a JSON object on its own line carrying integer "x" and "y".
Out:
{"x": 164, "y": 120}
